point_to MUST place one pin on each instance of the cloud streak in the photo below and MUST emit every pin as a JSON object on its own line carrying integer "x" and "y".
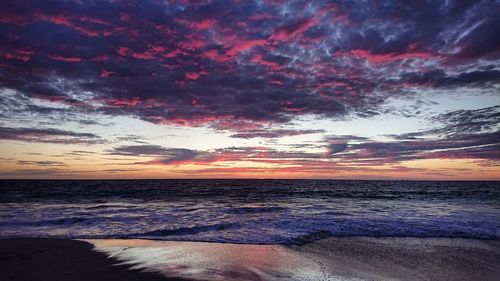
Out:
{"x": 471, "y": 134}
{"x": 47, "y": 135}
{"x": 273, "y": 133}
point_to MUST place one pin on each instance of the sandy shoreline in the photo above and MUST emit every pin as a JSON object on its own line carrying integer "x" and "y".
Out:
{"x": 392, "y": 258}
{"x": 346, "y": 258}
{"x": 63, "y": 260}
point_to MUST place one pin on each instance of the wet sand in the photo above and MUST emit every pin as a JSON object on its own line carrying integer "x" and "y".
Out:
{"x": 364, "y": 258}
{"x": 63, "y": 260}
{"x": 349, "y": 258}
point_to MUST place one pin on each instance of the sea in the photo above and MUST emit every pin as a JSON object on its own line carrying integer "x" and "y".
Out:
{"x": 248, "y": 211}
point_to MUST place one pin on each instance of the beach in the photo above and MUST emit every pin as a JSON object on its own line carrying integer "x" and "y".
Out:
{"x": 64, "y": 260}
{"x": 336, "y": 258}
{"x": 249, "y": 230}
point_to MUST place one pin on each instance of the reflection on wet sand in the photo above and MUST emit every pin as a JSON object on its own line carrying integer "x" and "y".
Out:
{"x": 340, "y": 258}
{"x": 214, "y": 261}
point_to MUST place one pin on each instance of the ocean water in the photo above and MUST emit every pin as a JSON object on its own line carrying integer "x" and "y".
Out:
{"x": 248, "y": 211}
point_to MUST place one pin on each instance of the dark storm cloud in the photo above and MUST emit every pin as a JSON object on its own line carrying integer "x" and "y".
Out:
{"x": 224, "y": 63}
{"x": 47, "y": 135}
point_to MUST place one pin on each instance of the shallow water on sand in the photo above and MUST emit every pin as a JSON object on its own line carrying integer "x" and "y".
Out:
{"x": 213, "y": 261}
{"x": 341, "y": 258}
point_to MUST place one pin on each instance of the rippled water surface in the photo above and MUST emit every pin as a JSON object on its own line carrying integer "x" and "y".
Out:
{"x": 248, "y": 211}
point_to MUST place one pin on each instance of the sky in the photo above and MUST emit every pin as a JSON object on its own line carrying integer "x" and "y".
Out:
{"x": 250, "y": 89}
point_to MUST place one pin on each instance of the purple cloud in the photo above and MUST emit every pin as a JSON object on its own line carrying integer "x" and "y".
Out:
{"x": 217, "y": 62}
{"x": 47, "y": 135}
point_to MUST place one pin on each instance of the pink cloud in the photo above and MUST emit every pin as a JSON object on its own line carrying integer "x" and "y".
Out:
{"x": 122, "y": 51}
{"x": 8, "y": 18}
{"x": 102, "y": 57}
{"x": 105, "y": 73}
{"x": 243, "y": 46}
{"x": 189, "y": 121}
{"x": 288, "y": 32}
{"x": 66, "y": 59}
{"x": 198, "y": 25}
{"x": 192, "y": 42}
{"x": 260, "y": 16}
{"x": 22, "y": 55}
{"x": 385, "y": 58}
{"x": 143, "y": 56}
{"x": 214, "y": 55}
{"x": 195, "y": 75}
{"x": 123, "y": 102}
{"x": 71, "y": 23}
{"x": 124, "y": 16}
{"x": 173, "y": 53}
{"x": 271, "y": 65}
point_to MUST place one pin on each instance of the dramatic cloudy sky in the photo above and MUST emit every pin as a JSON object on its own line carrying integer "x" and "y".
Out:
{"x": 266, "y": 89}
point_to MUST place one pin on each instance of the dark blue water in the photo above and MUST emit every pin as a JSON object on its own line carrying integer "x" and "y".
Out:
{"x": 248, "y": 211}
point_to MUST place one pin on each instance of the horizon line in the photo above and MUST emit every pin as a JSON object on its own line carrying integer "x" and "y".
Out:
{"x": 270, "y": 179}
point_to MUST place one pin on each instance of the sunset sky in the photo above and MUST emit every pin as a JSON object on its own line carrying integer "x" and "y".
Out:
{"x": 250, "y": 89}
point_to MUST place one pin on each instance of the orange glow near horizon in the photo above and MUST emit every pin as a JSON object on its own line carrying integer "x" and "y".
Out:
{"x": 101, "y": 168}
